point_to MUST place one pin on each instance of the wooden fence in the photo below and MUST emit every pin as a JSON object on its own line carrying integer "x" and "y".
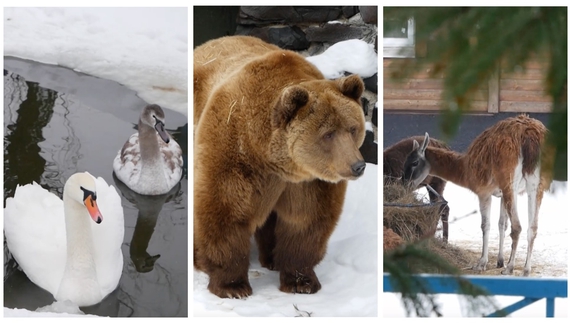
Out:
{"x": 530, "y": 288}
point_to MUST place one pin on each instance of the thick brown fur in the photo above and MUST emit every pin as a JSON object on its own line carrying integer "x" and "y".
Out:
{"x": 274, "y": 144}
{"x": 394, "y": 158}
{"x": 491, "y": 167}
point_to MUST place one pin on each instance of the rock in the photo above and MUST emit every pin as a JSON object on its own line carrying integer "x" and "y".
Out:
{"x": 286, "y": 37}
{"x": 287, "y": 14}
{"x": 369, "y": 14}
{"x": 267, "y": 15}
{"x": 371, "y": 83}
{"x": 349, "y": 11}
{"x": 364, "y": 102}
{"x": 369, "y": 148}
{"x": 374, "y": 118}
{"x": 333, "y": 33}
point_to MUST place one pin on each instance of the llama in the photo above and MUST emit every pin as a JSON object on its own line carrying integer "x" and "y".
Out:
{"x": 504, "y": 160}
{"x": 394, "y": 158}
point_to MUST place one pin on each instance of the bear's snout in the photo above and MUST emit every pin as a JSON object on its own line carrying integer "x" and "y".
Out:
{"x": 358, "y": 168}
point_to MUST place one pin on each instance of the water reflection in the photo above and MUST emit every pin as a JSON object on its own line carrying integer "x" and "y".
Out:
{"x": 49, "y": 135}
{"x": 149, "y": 207}
{"x": 30, "y": 109}
{"x": 63, "y": 149}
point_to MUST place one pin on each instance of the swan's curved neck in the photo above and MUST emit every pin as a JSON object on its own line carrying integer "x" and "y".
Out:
{"x": 80, "y": 248}
{"x": 148, "y": 142}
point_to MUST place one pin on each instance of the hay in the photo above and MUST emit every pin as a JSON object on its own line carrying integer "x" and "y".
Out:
{"x": 391, "y": 240}
{"x": 418, "y": 225}
{"x": 414, "y": 219}
{"x": 459, "y": 258}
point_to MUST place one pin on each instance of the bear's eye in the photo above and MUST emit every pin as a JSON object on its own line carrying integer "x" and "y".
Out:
{"x": 353, "y": 131}
{"x": 328, "y": 135}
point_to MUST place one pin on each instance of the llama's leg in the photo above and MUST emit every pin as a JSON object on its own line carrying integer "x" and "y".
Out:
{"x": 535, "y": 192}
{"x": 502, "y": 228}
{"x": 485, "y": 208}
{"x": 510, "y": 203}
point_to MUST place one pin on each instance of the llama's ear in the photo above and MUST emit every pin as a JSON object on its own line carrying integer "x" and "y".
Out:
{"x": 290, "y": 101}
{"x": 424, "y": 144}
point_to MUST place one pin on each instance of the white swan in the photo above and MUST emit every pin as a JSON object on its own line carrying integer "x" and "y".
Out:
{"x": 150, "y": 162}
{"x": 71, "y": 248}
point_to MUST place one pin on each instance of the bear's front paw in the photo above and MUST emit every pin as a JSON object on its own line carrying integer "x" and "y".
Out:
{"x": 231, "y": 290}
{"x": 299, "y": 283}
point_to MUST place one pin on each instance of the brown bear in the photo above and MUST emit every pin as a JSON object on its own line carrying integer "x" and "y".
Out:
{"x": 274, "y": 143}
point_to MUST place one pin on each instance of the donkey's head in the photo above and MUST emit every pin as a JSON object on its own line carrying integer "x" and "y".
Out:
{"x": 416, "y": 166}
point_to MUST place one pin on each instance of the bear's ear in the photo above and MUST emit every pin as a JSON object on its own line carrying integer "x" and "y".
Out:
{"x": 290, "y": 101}
{"x": 351, "y": 86}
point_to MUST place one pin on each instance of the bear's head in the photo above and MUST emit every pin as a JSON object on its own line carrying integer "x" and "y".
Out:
{"x": 323, "y": 125}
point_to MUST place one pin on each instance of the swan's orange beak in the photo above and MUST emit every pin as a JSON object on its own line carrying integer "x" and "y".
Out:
{"x": 93, "y": 209}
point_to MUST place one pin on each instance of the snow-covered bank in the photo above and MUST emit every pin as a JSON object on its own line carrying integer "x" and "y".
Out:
{"x": 146, "y": 49}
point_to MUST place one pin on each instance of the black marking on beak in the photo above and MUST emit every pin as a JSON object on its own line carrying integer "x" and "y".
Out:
{"x": 87, "y": 193}
{"x": 159, "y": 127}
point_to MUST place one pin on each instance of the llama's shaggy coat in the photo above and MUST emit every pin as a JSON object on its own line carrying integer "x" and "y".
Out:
{"x": 507, "y": 159}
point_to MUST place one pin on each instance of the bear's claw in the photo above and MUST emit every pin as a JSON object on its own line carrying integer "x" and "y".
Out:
{"x": 233, "y": 290}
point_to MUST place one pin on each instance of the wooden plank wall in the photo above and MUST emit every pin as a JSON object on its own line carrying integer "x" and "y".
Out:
{"x": 523, "y": 90}
{"x": 519, "y": 91}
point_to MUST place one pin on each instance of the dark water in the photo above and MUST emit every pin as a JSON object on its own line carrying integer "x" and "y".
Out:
{"x": 58, "y": 122}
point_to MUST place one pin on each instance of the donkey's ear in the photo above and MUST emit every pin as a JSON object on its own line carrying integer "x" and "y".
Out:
{"x": 415, "y": 145}
{"x": 425, "y": 144}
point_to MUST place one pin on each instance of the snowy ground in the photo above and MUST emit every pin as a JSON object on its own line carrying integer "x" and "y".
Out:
{"x": 348, "y": 273}
{"x": 145, "y": 49}
{"x": 549, "y": 258}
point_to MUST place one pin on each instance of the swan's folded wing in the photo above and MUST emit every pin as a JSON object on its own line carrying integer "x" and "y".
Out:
{"x": 172, "y": 158}
{"x": 127, "y": 164}
{"x": 34, "y": 226}
{"x": 108, "y": 236}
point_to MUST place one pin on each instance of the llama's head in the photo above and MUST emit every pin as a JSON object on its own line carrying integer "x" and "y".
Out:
{"x": 416, "y": 167}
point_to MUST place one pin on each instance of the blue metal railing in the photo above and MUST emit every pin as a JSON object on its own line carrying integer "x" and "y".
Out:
{"x": 532, "y": 289}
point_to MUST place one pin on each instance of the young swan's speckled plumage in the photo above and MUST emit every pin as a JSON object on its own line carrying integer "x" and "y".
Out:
{"x": 150, "y": 162}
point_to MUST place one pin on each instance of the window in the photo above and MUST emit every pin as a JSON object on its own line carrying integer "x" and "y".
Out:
{"x": 399, "y": 38}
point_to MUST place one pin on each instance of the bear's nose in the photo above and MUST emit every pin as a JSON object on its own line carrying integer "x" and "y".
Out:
{"x": 358, "y": 168}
